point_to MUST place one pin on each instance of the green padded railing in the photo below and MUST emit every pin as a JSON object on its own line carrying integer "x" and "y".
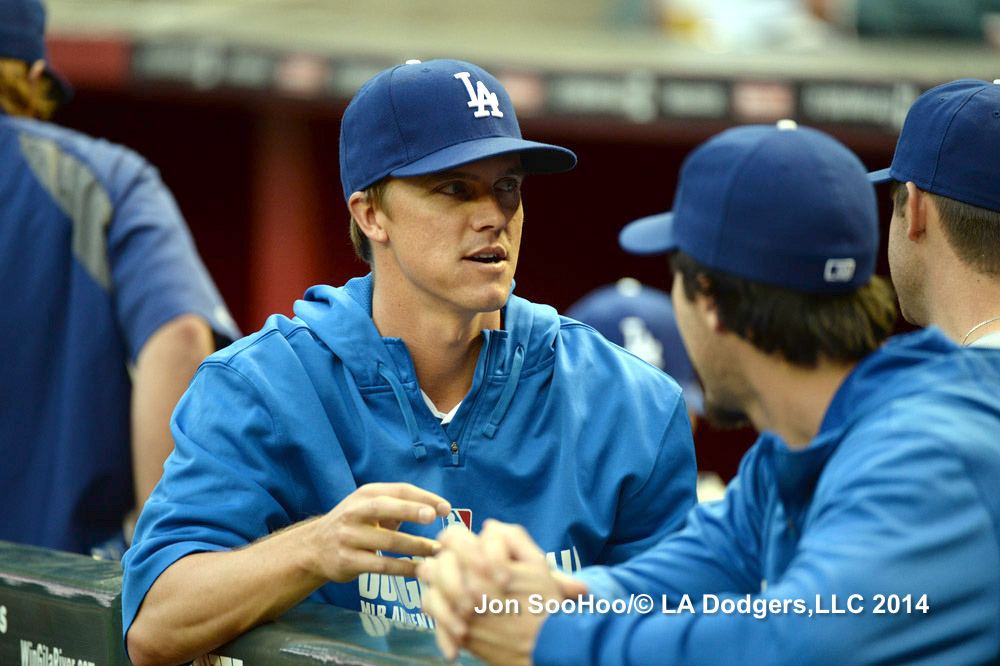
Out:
{"x": 61, "y": 609}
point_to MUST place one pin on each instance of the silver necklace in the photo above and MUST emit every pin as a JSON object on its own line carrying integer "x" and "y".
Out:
{"x": 978, "y": 326}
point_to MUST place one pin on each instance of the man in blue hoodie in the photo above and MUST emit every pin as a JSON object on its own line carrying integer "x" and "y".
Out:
{"x": 422, "y": 395}
{"x": 862, "y": 526}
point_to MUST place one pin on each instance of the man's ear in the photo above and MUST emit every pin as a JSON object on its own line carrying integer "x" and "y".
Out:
{"x": 35, "y": 71}
{"x": 707, "y": 308}
{"x": 365, "y": 213}
{"x": 710, "y": 313}
{"x": 917, "y": 204}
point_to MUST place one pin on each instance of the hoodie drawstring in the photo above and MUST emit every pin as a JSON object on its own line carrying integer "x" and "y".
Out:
{"x": 508, "y": 394}
{"x": 419, "y": 450}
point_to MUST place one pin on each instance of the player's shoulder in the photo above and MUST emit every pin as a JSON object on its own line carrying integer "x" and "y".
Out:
{"x": 267, "y": 348}
{"x": 69, "y": 149}
{"x": 73, "y": 141}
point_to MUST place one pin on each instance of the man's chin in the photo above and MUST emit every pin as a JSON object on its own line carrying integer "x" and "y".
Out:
{"x": 493, "y": 300}
{"x": 912, "y": 318}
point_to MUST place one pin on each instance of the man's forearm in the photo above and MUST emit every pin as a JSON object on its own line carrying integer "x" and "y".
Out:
{"x": 206, "y": 599}
{"x": 163, "y": 370}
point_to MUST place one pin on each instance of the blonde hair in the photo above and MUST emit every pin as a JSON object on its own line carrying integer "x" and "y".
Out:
{"x": 20, "y": 96}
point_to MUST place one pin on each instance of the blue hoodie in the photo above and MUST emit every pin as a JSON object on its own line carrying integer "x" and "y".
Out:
{"x": 586, "y": 445}
{"x": 896, "y": 501}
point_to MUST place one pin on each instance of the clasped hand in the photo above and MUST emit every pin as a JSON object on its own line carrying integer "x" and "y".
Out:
{"x": 502, "y": 564}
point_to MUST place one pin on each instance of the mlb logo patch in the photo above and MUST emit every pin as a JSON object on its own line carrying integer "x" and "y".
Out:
{"x": 839, "y": 270}
{"x": 459, "y": 517}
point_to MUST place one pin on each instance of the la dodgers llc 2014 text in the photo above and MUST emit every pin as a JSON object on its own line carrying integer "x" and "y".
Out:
{"x": 758, "y": 607}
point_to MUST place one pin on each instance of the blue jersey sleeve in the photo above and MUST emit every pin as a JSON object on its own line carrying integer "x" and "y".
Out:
{"x": 156, "y": 272}
{"x": 889, "y": 525}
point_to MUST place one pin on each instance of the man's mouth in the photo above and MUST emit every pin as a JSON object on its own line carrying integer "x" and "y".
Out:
{"x": 488, "y": 256}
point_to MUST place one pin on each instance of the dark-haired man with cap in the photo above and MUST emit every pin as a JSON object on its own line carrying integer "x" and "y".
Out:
{"x": 107, "y": 312}
{"x": 422, "y": 395}
{"x": 862, "y": 526}
{"x": 944, "y": 237}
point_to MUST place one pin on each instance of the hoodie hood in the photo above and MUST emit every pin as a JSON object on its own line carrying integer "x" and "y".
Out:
{"x": 909, "y": 364}
{"x": 906, "y": 365}
{"x": 342, "y": 319}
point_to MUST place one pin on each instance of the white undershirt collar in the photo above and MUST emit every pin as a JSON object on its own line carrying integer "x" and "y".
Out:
{"x": 445, "y": 418}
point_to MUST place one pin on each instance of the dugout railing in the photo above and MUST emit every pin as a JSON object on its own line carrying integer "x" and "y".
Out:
{"x": 62, "y": 609}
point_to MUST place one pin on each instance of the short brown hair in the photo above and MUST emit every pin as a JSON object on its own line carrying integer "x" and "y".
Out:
{"x": 19, "y": 97}
{"x": 972, "y": 232}
{"x": 362, "y": 246}
{"x": 800, "y": 327}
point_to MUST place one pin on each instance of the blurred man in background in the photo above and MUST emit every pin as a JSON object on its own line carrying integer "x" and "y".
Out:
{"x": 107, "y": 312}
{"x": 641, "y": 319}
{"x": 944, "y": 237}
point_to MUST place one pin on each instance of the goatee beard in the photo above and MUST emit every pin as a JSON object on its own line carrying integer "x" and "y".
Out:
{"x": 724, "y": 418}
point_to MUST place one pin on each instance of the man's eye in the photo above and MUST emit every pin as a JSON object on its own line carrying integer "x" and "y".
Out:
{"x": 454, "y": 188}
{"x": 509, "y": 185}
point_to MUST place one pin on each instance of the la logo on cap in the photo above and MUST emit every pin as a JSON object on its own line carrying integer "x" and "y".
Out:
{"x": 480, "y": 98}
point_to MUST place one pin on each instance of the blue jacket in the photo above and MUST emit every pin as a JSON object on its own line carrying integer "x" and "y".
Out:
{"x": 94, "y": 258}
{"x": 586, "y": 445}
{"x": 897, "y": 497}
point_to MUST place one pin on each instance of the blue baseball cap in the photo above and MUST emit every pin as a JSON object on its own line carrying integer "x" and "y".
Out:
{"x": 783, "y": 205}
{"x": 950, "y": 144}
{"x": 641, "y": 319}
{"x": 426, "y": 117}
{"x": 22, "y": 37}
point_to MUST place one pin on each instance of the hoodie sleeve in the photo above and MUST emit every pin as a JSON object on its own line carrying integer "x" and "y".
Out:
{"x": 715, "y": 550}
{"x": 659, "y": 505}
{"x": 881, "y": 516}
{"x": 156, "y": 272}
{"x": 224, "y": 485}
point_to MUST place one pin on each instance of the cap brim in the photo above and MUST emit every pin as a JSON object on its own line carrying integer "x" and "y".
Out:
{"x": 649, "y": 235}
{"x": 880, "y": 176}
{"x": 535, "y": 157}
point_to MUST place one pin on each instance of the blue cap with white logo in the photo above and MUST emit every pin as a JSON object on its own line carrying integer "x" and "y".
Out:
{"x": 426, "y": 117}
{"x": 781, "y": 205}
{"x": 641, "y": 319}
{"x": 950, "y": 144}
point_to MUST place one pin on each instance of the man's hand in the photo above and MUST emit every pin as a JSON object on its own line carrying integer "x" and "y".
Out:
{"x": 503, "y": 563}
{"x": 349, "y": 539}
